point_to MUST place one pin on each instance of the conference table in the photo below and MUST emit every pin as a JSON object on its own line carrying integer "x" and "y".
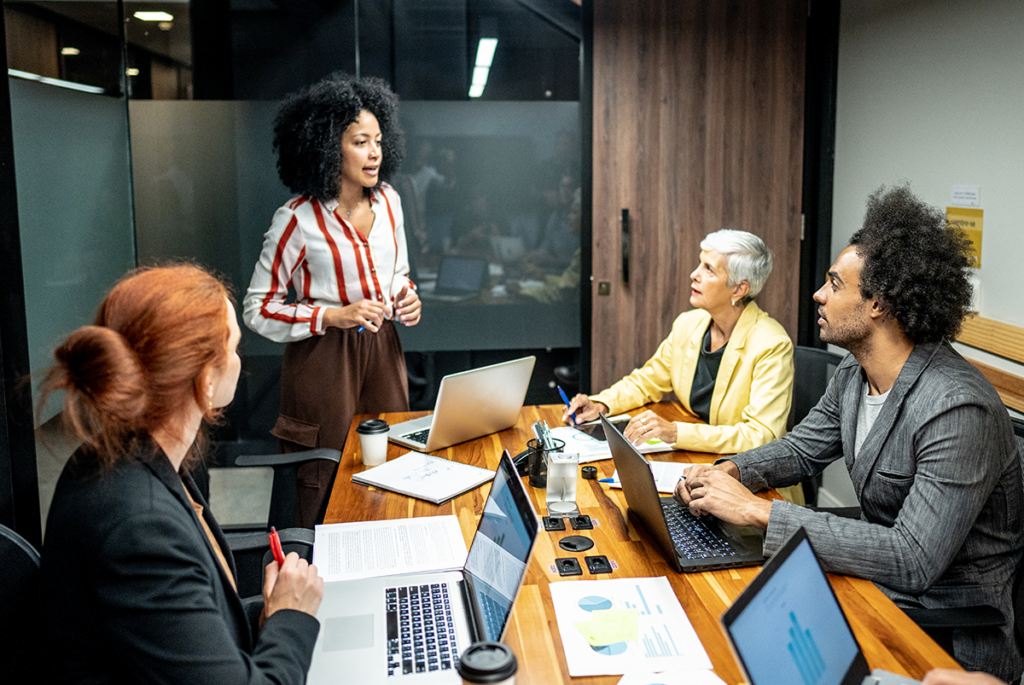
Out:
{"x": 889, "y": 639}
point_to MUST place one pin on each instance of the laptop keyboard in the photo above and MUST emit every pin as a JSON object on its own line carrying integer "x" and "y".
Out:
{"x": 692, "y": 536}
{"x": 418, "y": 436}
{"x": 493, "y": 615}
{"x": 421, "y": 632}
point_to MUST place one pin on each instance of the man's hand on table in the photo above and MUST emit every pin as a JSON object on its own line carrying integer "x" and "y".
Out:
{"x": 947, "y": 676}
{"x": 717, "y": 490}
{"x": 648, "y": 426}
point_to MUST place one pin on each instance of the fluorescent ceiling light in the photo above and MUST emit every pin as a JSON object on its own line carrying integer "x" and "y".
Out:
{"x": 153, "y": 16}
{"x": 480, "y": 76}
{"x": 69, "y": 51}
{"x": 29, "y": 76}
{"x": 131, "y": 71}
{"x": 485, "y": 51}
{"x": 476, "y": 91}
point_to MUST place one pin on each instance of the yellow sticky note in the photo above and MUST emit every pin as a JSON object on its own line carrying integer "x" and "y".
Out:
{"x": 970, "y": 220}
{"x": 609, "y": 626}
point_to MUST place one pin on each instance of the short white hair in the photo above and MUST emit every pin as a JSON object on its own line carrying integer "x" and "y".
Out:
{"x": 747, "y": 258}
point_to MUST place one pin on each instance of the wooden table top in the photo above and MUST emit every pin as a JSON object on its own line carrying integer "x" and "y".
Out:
{"x": 889, "y": 639}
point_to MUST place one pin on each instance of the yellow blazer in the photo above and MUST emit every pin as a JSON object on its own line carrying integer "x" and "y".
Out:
{"x": 753, "y": 391}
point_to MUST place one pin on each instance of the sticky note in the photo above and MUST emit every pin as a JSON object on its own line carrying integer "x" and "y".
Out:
{"x": 609, "y": 626}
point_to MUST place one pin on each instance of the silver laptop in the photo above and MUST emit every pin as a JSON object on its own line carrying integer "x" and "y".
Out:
{"x": 469, "y": 405}
{"x": 787, "y": 626}
{"x": 690, "y": 543}
{"x": 412, "y": 628}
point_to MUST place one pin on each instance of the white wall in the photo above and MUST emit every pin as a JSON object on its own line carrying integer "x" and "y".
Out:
{"x": 932, "y": 92}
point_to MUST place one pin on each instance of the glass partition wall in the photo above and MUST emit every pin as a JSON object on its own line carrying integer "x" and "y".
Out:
{"x": 490, "y": 186}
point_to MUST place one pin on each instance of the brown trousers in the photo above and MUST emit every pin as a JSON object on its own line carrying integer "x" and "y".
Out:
{"x": 325, "y": 381}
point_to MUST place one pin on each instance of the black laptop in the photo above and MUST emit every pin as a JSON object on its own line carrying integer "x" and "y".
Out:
{"x": 787, "y": 626}
{"x": 690, "y": 543}
{"x": 461, "y": 277}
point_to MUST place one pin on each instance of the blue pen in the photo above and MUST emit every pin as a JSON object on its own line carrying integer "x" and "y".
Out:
{"x": 361, "y": 329}
{"x": 606, "y": 480}
{"x": 566, "y": 400}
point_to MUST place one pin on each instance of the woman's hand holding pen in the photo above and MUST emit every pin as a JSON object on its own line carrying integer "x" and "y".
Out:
{"x": 295, "y": 585}
{"x": 650, "y": 426}
{"x": 368, "y": 314}
{"x": 408, "y": 306}
{"x": 584, "y": 409}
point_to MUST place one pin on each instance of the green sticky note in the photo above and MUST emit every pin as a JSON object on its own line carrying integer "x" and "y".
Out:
{"x": 610, "y": 626}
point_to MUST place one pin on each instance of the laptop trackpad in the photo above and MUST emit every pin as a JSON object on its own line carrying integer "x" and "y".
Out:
{"x": 348, "y": 632}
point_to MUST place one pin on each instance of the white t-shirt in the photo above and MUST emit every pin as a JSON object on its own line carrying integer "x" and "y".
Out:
{"x": 867, "y": 412}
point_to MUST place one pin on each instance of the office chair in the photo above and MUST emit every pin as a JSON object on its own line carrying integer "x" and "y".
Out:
{"x": 19, "y": 562}
{"x": 813, "y": 369}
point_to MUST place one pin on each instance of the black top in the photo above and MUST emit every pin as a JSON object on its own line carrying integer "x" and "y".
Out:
{"x": 132, "y": 592}
{"x": 704, "y": 377}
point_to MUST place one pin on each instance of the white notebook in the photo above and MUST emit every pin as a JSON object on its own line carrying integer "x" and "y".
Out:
{"x": 426, "y": 477}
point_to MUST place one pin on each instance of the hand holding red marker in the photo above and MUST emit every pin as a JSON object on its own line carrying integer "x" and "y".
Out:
{"x": 275, "y": 547}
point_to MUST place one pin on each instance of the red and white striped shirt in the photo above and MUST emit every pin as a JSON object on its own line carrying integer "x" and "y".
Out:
{"x": 327, "y": 263}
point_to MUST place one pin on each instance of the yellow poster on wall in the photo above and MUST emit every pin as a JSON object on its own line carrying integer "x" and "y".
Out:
{"x": 970, "y": 220}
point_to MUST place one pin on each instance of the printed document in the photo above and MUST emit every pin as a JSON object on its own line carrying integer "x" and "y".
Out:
{"x": 625, "y": 625}
{"x": 347, "y": 551}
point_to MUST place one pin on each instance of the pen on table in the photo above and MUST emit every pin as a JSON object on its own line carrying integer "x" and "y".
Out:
{"x": 607, "y": 480}
{"x": 275, "y": 547}
{"x": 566, "y": 400}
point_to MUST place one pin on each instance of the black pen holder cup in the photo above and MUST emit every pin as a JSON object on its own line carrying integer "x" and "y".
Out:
{"x": 537, "y": 464}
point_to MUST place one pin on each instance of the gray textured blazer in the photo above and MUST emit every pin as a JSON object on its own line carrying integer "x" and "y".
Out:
{"x": 938, "y": 479}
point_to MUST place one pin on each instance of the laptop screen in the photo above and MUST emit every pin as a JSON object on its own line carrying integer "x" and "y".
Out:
{"x": 789, "y": 628}
{"x": 501, "y": 548}
{"x": 461, "y": 274}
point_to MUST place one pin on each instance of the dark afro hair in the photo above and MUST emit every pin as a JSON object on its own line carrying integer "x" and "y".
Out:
{"x": 915, "y": 264}
{"x": 309, "y": 124}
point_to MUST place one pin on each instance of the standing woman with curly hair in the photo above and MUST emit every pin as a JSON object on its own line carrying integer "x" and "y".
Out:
{"x": 137, "y": 582}
{"x": 340, "y": 245}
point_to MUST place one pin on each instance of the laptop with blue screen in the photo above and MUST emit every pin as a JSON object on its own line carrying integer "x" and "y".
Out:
{"x": 787, "y": 626}
{"x": 412, "y": 628}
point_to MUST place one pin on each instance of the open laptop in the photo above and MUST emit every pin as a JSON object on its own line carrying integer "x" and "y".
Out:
{"x": 787, "y": 626}
{"x": 368, "y": 627}
{"x": 459, "y": 278}
{"x": 690, "y": 543}
{"x": 469, "y": 405}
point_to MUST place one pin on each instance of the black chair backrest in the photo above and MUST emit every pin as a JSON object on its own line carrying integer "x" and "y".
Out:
{"x": 19, "y": 583}
{"x": 813, "y": 369}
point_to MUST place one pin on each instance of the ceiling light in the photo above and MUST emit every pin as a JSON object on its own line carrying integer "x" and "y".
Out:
{"x": 153, "y": 16}
{"x": 476, "y": 91}
{"x": 480, "y": 76}
{"x": 131, "y": 71}
{"x": 485, "y": 51}
{"x": 69, "y": 51}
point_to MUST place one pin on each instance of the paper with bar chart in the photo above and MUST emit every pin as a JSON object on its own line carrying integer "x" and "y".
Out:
{"x": 609, "y": 627}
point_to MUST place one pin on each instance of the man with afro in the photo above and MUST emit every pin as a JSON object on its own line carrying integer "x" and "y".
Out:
{"x": 925, "y": 438}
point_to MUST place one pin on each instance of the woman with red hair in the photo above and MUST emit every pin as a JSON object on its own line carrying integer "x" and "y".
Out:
{"x": 137, "y": 579}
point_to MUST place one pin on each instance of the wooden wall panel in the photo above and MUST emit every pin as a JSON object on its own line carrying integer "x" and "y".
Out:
{"x": 698, "y": 125}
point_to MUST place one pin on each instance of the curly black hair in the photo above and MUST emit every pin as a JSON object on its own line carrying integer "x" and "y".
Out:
{"x": 309, "y": 124}
{"x": 915, "y": 263}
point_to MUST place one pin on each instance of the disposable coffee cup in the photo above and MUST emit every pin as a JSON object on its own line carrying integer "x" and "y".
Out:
{"x": 373, "y": 441}
{"x": 488, "y": 662}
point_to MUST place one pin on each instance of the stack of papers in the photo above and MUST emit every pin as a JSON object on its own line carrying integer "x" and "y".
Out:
{"x": 349, "y": 551}
{"x": 666, "y": 475}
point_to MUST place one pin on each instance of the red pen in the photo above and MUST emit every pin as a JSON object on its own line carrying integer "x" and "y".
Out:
{"x": 275, "y": 547}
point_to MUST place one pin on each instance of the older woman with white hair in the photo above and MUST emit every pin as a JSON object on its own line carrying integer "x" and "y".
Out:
{"x": 728, "y": 362}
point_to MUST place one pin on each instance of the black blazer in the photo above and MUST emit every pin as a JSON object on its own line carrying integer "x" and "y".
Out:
{"x": 131, "y": 590}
